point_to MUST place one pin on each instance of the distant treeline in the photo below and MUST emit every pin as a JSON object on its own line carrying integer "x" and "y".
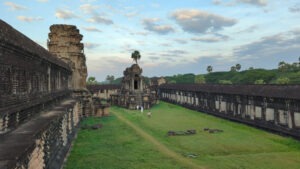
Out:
{"x": 285, "y": 74}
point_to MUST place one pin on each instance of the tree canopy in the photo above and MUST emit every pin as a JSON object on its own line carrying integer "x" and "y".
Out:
{"x": 136, "y": 56}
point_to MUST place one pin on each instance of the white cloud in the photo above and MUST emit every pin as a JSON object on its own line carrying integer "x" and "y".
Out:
{"x": 88, "y": 8}
{"x": 151, "y": 24}
{"x": 42, "y": 1}
{"x": 29, "y": 19}
{"x": 279, "y": 45}
{"x": 295, "y": 9}
{"x": 259, "y": 3}
{"x": 196, "y": 21}
{"x": 91, "y": 29}
{"x": 65, "y": 14}
{"x": 254, "y": 2}
{"x": 14, "y": 6}
{"x": 131, "y": 14}
{"x": 100, "y": 20}
{"x": 211, "y": 39}
{"x": 181, "y": 41}
{"x": 90, "y": 45}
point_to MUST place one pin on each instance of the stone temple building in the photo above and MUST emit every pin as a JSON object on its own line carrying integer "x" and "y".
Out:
{"x": 134, "y": 91}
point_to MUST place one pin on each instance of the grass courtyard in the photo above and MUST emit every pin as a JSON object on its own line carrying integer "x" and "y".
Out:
{"x": 131, "y": 140}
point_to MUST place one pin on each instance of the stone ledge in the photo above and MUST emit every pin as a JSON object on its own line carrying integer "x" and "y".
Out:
{"x": 21, "y": 142}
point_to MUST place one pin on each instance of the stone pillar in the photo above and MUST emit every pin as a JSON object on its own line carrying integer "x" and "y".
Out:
{"x": 65, "y": 42}
{"x": 1, "y": 124}
{"x": 49, "y": 79}
{"x": 6, "y": 123}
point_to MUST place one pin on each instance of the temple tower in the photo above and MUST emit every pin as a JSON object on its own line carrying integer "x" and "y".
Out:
{"x": 134, "y": 92}
{"x": 65, "y": 42}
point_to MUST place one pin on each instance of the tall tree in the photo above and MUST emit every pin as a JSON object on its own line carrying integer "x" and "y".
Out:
{"x": 136, "y": 56}
{"x": 209, "y": 69}
{"x": 110, "y": 79}
{"x": 233, "y": 69}
{"x": 281, "y": 64}
{"x": 238, "y": 67}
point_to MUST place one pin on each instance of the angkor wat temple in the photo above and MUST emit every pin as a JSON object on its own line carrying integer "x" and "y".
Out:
{"x": 43, "y": 97}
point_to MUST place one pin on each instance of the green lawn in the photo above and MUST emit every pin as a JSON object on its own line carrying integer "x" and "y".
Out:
{"x": 118, "y": 145}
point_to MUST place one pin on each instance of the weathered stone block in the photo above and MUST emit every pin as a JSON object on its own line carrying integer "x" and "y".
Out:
{"x": 282, "y": 117}
{"x": 258, "y": 112}
{"x": 270, "y": 114}
{"x": 297, "y": 119}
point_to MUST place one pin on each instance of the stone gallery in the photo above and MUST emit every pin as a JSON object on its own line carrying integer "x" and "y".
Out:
{"x": 43, "y": 96}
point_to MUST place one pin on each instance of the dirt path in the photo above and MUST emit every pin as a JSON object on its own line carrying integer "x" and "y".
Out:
{"x": 162, "y": 148}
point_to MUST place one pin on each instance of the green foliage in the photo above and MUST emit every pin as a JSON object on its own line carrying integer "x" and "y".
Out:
{"x": 250, "y": 76}
{"x": 243, "y": 77}
{"x": 91, "y": 81}
{"x": 225, "y": 82}
{"x": 286, "y": 67}
{"x": 117, "y": 80}
{"x": 259, "y": 81}
{"x": 172, "y": 82}
{"x": 283, "y": 80}
{"x": 136, "y": 56}
{"x": 181, "y": 78}
{"x": 199, "y": 79}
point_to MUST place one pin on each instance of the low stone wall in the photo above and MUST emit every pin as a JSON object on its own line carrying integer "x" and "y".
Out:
{"x": 268, "y": 107}
{"x": 44, "y": 141}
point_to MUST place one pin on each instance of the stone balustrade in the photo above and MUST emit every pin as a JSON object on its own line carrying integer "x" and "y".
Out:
{"x": 44, "y": 141}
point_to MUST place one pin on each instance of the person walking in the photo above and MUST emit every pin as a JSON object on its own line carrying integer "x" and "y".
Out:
{"x": 149, "y": 114}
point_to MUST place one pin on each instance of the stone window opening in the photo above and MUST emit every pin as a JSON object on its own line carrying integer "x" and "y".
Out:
{"x": 135, "y": 85}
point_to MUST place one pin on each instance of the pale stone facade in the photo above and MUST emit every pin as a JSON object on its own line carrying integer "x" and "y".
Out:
{"x": 65, "y": 42}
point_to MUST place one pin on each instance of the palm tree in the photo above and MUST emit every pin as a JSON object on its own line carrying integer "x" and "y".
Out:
{"x": 238, "y": 67}
{"x": 233, "y": 69}
{"x": 281, "y": 66}
{"x": 209, "y": 68}
{"x": 136, "y": 56}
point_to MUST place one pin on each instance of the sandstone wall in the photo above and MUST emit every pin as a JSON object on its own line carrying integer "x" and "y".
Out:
{"x": 44, "y": 141}
{"x": 65, "y": 42}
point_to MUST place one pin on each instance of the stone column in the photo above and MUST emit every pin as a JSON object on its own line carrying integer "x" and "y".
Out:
{"x": 49, "y": 79}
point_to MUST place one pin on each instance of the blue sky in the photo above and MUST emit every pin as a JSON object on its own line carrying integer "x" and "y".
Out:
{"x": 173, "y": 37}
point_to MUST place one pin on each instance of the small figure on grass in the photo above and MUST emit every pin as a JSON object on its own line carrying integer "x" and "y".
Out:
{"x": 149, "y": 114}
{"x": 142, "y": 109}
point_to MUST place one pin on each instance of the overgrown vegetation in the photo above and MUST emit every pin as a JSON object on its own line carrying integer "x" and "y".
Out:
{"x": 117, "y": 145}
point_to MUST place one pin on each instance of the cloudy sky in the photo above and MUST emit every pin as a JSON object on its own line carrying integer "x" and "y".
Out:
{"x": 173, "y": 37}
